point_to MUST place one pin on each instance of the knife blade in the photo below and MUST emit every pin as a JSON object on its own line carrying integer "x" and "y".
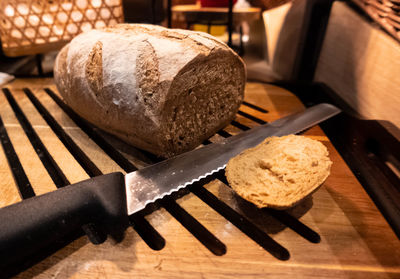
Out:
{"x": 154, "y": 182}
{"x": 106, "y": 201}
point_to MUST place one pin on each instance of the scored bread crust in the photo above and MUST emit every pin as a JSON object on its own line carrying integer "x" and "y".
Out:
{"x": 280, "y": 172}
{"x": 162, "y": 90}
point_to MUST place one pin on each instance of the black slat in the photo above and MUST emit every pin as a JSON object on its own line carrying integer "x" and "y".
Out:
{"x": 294, "y": 224}
{"x": 201, "y": 233}
{"x": 26, "y": 191}
{"x": 150, "y": 236}
{"x": 51, "y": 166}
{"x": 211, "y": 242}
{"x": 223, "y": 133}
{"x": 192, "y": 225}
{"x": 24, "y": 186}
{"x": 251, "y": 117}
{"x": 146, "y": 231}
{"x": 48, "y": 162}
{"x": 240, "y": 125}
{"x": 90, "y": 168}
{"x": 93, "y": 134}
{"x": 241, "y": 222}
{"x": 283, "y": 217}
{"x": 221, "y": 177}
{"x": 186, "y": 219}
{"x": 254, "y": 107}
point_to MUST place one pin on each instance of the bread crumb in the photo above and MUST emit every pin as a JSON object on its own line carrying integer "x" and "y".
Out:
{"x": 279, "y": 172}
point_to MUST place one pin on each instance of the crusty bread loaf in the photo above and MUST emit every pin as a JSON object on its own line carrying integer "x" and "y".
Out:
{"x": 162, "y": 90}
{"x": 279, "y": 172}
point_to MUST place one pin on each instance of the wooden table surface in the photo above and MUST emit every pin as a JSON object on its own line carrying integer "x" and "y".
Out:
{"x": 356, "y": 241}
{"x": 196, "y": 12}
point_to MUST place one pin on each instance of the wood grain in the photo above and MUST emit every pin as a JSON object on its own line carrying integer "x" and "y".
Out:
{"x": 361, "y": 62}
{"x": 356, "y": 241}
{"x": 193, "y": 12}
{"x": 197, "y": 8}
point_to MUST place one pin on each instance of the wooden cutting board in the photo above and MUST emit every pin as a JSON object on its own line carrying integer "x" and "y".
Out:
{"x": 356, "y": 241}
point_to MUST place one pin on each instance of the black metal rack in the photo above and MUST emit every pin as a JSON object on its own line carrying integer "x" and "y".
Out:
{"x": 367, "y": 147}
{"x": 148, "y": 233}
{"x": 371, "y": 151}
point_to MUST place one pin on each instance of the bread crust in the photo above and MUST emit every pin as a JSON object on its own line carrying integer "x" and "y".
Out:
{"x": 162, "y": 90}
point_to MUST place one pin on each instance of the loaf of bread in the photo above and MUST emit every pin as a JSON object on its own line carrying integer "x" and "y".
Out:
{"x": 162, "y": 90}
{"x": 279, "y": 172}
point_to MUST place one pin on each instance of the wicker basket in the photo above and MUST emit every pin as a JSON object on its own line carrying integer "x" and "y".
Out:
{"x": 384, "y": 12}
{"x": 38, "y": 26}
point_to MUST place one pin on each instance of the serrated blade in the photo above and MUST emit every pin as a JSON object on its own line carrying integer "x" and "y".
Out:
{"x": 154, "y": 182}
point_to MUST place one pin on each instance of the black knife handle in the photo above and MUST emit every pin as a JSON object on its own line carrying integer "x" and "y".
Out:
{"x": 32, "y": 224}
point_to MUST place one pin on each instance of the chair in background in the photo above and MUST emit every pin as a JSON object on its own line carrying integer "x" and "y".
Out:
{"x": 286, "y": 44}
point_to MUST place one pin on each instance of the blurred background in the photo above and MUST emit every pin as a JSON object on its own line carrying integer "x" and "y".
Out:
{"x": 32, "y": 32}
{"x": 350, "y": 46}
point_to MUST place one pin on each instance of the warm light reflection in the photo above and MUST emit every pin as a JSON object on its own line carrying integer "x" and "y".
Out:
{"x": 48, "y": 19}
{"x": 96, "y": 3}
{"x": 81, "y": 4}
{"x": 76, "y": 16}
{"x": 33, "y": 20}
{"x": 23, "y": 9}
{"x": 9, "y": 11}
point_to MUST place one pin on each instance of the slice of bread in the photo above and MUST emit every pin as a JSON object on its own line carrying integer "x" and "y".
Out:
{"x": 279, "y": 172}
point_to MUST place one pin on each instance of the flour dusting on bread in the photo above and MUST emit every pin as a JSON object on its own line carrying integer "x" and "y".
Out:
{"x": 162, "y": 90}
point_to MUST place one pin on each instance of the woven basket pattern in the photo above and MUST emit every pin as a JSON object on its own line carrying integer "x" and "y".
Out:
{"x": 384, "y": 12}
{"x": 38, "y": 26}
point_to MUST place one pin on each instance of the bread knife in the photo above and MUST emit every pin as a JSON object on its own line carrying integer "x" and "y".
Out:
{"x": 108, "y": 200}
